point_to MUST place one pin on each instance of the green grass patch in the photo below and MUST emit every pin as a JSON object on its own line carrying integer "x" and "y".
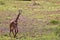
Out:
{"x": 54, "y": 21}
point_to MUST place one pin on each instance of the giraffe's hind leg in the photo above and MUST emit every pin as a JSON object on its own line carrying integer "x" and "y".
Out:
{"x": 16, "y": 31}
{"x": 10, "y": 32}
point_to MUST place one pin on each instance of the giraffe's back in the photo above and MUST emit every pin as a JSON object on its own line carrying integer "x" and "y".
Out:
{"x": 13, "y": 25}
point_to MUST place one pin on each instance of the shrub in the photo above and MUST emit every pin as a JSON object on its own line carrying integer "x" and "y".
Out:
{"x": 2, "y": 3}
{"x": 54, "y": 21}
{"x": 57, "y": 31}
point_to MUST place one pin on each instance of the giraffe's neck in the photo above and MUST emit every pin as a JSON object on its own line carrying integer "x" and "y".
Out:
{"x": 17, "y": 17}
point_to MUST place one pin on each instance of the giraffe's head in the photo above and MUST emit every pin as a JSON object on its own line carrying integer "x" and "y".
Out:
{"x": 20, "y": 11}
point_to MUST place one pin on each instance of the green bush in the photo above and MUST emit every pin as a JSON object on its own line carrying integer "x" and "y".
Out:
{"x": 54, "y": 21}
{"x": 2, "y": 3}
{"x": 57, "y": 31}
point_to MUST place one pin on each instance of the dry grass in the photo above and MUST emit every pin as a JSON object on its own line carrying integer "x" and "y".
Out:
{"x": 33, "y": 22}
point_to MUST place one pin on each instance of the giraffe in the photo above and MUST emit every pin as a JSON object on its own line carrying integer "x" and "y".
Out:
{"x": 14, "y": 24}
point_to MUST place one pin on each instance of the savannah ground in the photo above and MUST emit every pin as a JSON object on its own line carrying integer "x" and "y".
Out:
{"x": 37, "y": 22}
